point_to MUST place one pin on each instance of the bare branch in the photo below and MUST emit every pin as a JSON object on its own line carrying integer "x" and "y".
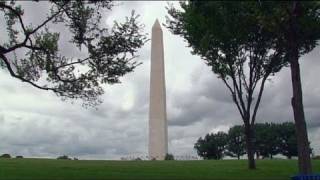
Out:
{"x": 44, "y": 22}
{"x": 28, "y": 33}
{"x": 234, "y": 97}
{"x": 16, "y": 13}
{"x": 237, "y": 90}
{"x": 13, "y": 74}
{"x": 243, "y": 76}
{"x": 259, "y": 99}
{"x": 2, "y": 49}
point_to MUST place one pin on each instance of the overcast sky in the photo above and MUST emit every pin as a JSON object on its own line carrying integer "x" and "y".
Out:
{"x": 36, "y": 123}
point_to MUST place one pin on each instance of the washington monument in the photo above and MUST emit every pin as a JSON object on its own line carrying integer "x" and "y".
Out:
{"x": 158, "y": 131}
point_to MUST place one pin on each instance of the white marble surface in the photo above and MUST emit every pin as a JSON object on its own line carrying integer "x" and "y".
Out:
{"x": 158, "y": 131}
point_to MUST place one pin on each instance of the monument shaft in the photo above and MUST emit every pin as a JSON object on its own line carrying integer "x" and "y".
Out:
{"x": 158, "y": 133}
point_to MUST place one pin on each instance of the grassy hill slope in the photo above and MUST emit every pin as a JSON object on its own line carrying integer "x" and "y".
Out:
{"x": 36, "y": 169}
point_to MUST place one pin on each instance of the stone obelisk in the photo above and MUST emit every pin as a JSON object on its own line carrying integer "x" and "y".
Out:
{"x": 158, "y": 132}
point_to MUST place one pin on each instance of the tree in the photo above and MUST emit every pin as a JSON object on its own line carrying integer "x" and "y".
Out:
{"x": 5, "y": 156}
{"x": 270, "y": 139}
{"x": 288, "y": 140}
{"x": 32, "y": 52}
{"x": 235, "y": 142}
{"x": 239, "y": 50}
{"x": 267, "y": 139}
{"x": 295, "y": 26}
{"x": 169, "y": 157}
{"x": 212, "y": 146}
{"x": 64, "y": 157}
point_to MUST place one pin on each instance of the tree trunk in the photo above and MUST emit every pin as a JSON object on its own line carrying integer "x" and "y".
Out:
{"x": 300, "y": 123}
{"x": 296, "y": 101}
{"x": 250, "y": 146}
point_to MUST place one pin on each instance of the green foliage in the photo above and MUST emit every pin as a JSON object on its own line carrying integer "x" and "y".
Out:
{"x": 235, "y": 142}
{"x": 209, "y": 28}
{"x": 270, "y": 139}
{"x": 5, "y": 156}
{"x": 110, "y": 51}
{"x": 316, "y": 157}
{"x": 64, "y": 157}
{"x": 212, "y": 146}
{"x": 288, "y": 140}
{"x": 169, "y": 157}
{"x": 288, "y": 21}
{"x": 19, "y": 157}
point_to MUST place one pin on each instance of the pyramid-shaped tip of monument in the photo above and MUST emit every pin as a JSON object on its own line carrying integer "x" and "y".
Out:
{"x": 156, "y": 25}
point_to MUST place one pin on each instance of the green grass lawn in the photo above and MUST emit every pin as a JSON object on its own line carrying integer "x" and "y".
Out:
{"x": 36, "y": 169}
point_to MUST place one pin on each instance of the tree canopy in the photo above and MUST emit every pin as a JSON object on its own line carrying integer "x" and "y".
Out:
{"x": 236, "y": 142}
{"x": 270, "y": 139}
{"x": 288, "y": 140}
{"x": 212, "y": 146}
{"x": 32, "y": 53}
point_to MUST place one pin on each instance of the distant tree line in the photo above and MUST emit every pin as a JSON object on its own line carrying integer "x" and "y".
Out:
{"x": 8, "y": 156}
{"x": 65, "y": 157}
{"x": 269, "y": 139}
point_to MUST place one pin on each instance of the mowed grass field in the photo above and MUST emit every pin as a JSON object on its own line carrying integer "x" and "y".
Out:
{"x": 36, "y": 169}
